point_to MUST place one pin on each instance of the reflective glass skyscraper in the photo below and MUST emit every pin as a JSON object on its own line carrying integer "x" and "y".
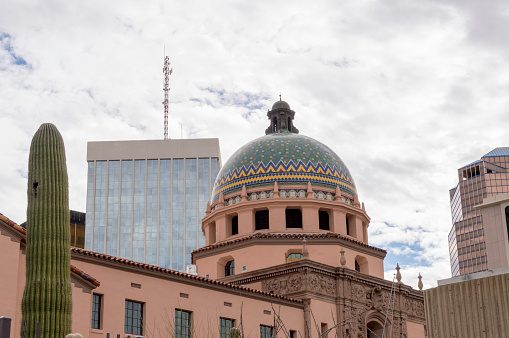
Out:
{"x": 478, "y": 180}
{"x": 146, "y": 199}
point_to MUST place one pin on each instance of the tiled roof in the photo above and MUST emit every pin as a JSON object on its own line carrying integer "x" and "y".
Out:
{"x": 501, "y": 151}
{"x": 287, "y": 236}
{"x": 85, "y": 276}
{"x": 176, "y": 273}
{"x": 73, "y": 268}
{"x": 15, "y": 227}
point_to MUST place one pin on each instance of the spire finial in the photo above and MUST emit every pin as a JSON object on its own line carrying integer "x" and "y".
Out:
{"x": 280, "y": 96}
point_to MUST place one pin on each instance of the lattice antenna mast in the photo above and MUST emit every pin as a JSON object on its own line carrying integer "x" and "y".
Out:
{"x": 167, "y": 72}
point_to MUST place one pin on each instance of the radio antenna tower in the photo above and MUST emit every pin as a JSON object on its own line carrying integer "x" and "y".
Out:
{"x": 167, "y": 72}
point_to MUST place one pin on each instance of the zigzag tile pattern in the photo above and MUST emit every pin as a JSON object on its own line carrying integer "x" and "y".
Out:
{"x": 286, "y": 158}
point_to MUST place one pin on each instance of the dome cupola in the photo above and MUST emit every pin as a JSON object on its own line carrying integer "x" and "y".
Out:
{"x": 281, "y": 118}
{"x": 285, "y": 157}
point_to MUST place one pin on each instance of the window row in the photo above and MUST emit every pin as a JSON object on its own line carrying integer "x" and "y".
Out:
{"x": 133, "y": 322}
{"x": 293, "y": 220}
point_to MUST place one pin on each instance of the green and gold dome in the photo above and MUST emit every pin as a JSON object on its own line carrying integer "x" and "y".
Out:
{"x": 285, "y": 157}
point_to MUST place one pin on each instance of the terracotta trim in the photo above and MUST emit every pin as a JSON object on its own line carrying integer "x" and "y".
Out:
{"x": 280, "y": 236}
{"x": 85, "y": 276}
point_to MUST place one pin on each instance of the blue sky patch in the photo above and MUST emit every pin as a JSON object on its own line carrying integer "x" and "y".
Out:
{"x": 403, "y": 254}
{"x": 5, "y": 42}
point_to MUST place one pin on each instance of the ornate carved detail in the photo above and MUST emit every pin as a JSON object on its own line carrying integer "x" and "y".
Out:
{"x": 298, "y": 282}
{"x": 294, "y": 283}
{"x": 313, "y": 282}
{"x": 414, "y": 307}
{"x": 322, "y": 284}
{"x": 358, "y": 292}
{"x": 374, "y": 297}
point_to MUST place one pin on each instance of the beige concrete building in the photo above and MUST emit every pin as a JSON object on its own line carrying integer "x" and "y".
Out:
{"x": 495, "y": 215}
{"x": 474, "y": 305}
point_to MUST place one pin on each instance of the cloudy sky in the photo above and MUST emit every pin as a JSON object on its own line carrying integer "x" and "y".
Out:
{"x": 405, "y": 92}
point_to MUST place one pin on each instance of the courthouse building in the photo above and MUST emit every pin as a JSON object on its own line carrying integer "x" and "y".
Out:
{"x": 286, "y": 254}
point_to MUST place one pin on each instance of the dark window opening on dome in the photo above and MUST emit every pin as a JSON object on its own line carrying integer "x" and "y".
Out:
{"x": 323, "y": 220}
{"x": 294, "y": 257}
{"x": 229, "y": 268}
{"x": 293, "y": 218}
{"x": 357, "y": 266}
{"x": 212, "y": 233}
{"x": 289, "y": 123}
{"x": 261, "y": 220}
{"x": 235, "y": 225}
{"x": 274, "y": 124}
{"x": 347, "y": 226}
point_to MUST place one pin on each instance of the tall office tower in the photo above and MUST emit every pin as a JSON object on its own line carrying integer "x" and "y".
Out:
{"x": 146, "y": 199}
{"x": 478, "y": 180}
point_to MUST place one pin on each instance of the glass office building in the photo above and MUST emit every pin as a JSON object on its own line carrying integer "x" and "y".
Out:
{"x": 146, "y": 199}
{"x": 483, "y": 178}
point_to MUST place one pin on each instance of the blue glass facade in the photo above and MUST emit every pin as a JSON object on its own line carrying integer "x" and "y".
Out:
{"x": 148, "y": 210}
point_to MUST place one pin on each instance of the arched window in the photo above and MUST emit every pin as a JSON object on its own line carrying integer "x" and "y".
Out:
{"x": 229, "y": 268}
{"x": 361, "y": 264}
{"x": 347, "y": 226}
{"x": 274, "y": 124}
{"x": 323, "y": 220}
{"x": 261, "y": 219}
{"x": 293, "y": 257}
{"x": 357, "y": 266}
{"x": 293, "y": 218}
{"x": 289, "y": 123}
{"x": 235, "y": 225}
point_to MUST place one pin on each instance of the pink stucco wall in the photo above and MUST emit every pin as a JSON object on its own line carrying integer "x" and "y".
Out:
{"x": 258, "y": 256}
{"x": 415, "y": 330}
{"x": 11, "y": 272}
{"x": 162, "y": 296}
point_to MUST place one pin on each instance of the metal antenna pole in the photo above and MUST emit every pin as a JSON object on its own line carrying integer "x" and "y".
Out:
{"x": 166, "y": 88}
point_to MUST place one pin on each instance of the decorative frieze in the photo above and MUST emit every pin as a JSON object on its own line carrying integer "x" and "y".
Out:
{"x": 301, "y": 282}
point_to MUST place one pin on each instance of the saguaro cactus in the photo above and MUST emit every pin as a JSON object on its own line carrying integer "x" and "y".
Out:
{"x": 47, "y": 297}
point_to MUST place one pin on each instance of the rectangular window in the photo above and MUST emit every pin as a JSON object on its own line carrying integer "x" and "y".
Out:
{"x": 293, "y": 334}
{"x": 96, "y": 311}
{"x": 133, "y": 317}
{"x": 225, "y": 325}
{"x": 182, "y": 324}
{"x": 265, "y": 331}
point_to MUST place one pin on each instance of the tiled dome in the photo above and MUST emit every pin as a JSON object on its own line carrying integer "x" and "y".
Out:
{"x": 287, "y": 158}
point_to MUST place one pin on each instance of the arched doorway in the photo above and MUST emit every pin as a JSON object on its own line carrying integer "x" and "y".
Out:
{"x": 375, "y": 329}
